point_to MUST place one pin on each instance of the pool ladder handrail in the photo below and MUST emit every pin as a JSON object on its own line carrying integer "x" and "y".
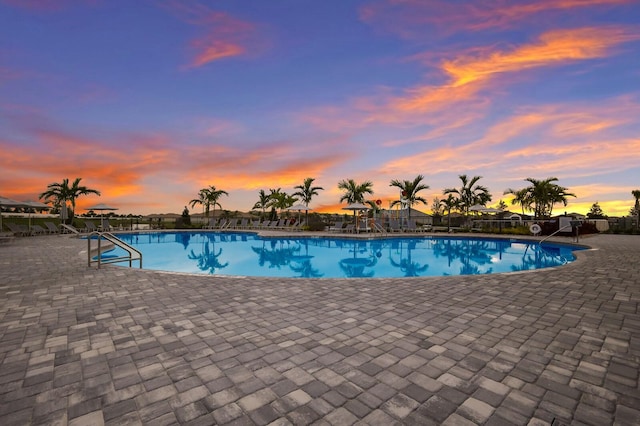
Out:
{"x": 554, "y": 233}
{"x": 133, "y": 253}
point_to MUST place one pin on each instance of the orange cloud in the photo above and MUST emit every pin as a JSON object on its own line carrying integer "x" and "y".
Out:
{"x": 553, "y": 47}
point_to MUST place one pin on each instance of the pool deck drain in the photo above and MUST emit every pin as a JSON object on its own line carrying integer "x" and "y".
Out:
{"x": 125, "y": 346}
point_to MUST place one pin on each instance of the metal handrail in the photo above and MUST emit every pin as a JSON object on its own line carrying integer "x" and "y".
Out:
{"x": 554, "y": 233}
{"x": 134, "y": 254}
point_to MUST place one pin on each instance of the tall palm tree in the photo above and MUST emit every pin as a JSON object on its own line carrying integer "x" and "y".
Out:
{"x": 354, "y": 192}
{"x": 306, "y": 193}
{"x": 470, "y": 193}
{"x": 61, "y": 193}
{"x": 636, "y": 195}
{"x": 208, "y": 197}
{"x": 263, "y": 202}
{"x": 541, "y": 196}
{"x": 409, "y": 190}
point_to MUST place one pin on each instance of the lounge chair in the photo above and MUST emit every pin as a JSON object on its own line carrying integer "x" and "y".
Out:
{"x": 394, "y": 226}
{"x": 90, "y": 226}
{"x": 18, "y": 230}
{"x": 243, "y": 224}
{"x": 38, "y": 230}
{"x": 105, "y": 225}
{"x": 211, "y": 224}
{"x": 53, "y": 229}
{"x": 411, "y": 227}
{"x": 337, "y": 227}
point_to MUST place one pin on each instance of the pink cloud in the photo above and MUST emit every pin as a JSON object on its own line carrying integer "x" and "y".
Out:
{"x": 223, "y": 36}
{"x": 411, "y": 18}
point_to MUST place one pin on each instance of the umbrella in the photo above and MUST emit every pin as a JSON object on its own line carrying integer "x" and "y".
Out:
{"x": 356, "y": 207}
{"x": 7, "y": 202}
{"x": 35, "y": 205}
{"x": 102, "y": 207}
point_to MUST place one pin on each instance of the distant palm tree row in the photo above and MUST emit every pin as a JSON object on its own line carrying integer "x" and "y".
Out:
{"x": 539, "y": 197}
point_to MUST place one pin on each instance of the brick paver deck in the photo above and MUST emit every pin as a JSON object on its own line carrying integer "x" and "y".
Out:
{"x": 82, "y": 346}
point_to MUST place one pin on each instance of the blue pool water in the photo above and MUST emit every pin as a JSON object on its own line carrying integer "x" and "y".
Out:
{"x": 247, "y": 254}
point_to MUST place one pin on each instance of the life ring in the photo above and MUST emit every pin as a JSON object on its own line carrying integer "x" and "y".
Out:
{"x": 535, "y": 229}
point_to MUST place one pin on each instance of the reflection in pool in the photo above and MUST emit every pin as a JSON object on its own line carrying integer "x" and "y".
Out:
{"x": 247, "y": 254}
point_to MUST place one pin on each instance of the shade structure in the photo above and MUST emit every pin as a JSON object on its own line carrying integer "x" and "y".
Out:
{"x": 102, "y": 208}
{"x": 299, "y": 208}
{"x": 355, "y": 207}
{"x": 35, "y": 205}
{"x": 8, "y": 202}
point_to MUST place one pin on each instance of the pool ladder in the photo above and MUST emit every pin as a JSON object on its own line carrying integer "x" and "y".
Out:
{"x": 132, "y": 253}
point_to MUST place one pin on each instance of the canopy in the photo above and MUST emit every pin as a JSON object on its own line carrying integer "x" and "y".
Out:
{"x": 101, "y": 208}
{"x": 356, "y": 207}
{"x": 7, "y": 202}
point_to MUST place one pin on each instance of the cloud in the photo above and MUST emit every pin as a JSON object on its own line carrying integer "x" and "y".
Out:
{"x": 553, "y": 47}
{"x": 222, "y": 35}
{"x": 413, "y": 19}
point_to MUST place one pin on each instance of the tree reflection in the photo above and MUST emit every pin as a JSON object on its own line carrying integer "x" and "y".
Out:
{"x": 536, "y": 257}
{"x": 406, "y": 263}
{"x": 208, "y": 259}
{"x": 275, "y": 254}
{"x": 471, "y": 253}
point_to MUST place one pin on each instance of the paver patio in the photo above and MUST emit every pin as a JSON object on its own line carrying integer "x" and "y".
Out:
{"x": 82, "y": 346}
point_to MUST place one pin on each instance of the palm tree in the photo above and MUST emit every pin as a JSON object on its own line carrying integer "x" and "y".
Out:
{"x": 306, "y": 193}
{"x": 449, "y": 203}
{"x": 281, "y": 200}
{"x": 354, "y": 193}
{"x": 470, "y": 193}
{"x": 540, "y": 196}
{"x": 263, "y": 202}
{"x": 409, "y": 190}
{"x": 520, "y": 196}
{"x": 208, "y": 197}
{"x": 636, "y": 194}
{"x": 62, "y": 192}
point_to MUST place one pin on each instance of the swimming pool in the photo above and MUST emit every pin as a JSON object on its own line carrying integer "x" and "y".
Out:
{"x": 248, "y": 254}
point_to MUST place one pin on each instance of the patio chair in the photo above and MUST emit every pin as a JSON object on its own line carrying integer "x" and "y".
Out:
{"x": 52, "y": 228}
{"x": 38, "y": 230}
{"x": 337, "y": 227}
{"x": 18, "y": 230}
{"x": 90, "y": 226}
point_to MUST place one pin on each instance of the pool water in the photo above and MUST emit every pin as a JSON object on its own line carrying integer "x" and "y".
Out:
{"x": 247, "y": 254}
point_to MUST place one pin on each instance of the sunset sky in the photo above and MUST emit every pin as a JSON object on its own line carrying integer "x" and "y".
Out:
{"x": 149, "y": 101}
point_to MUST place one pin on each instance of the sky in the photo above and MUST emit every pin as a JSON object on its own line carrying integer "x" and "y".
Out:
{"x": 149, "y": 101}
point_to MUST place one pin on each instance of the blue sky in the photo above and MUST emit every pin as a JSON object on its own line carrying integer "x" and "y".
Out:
{"x": 150, "y": 101}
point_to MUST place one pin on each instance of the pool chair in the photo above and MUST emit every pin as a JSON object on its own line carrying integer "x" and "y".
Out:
{"x": 211, "y": 224}
{"x": 52, "y": 228}
{"x": 105, "y": 225}
{"x": 18, "y": 230}
{"x": 394, "y": 226}
{"x": 243, "y": 224}
{"x": 38, "y": 230}
{"x": 90, "y": 226}
{"x": 337, "y": 227}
